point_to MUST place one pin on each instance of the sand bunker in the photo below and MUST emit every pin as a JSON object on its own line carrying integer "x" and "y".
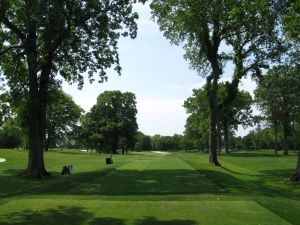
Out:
{"x": 2, "y": 160}
{"x": 159, "y": 152}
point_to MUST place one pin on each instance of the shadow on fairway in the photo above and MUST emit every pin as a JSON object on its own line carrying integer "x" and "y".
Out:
{"x": 77, "y": 216}
{"x": 59, "y": 215}
{"x": 152, "y": 182}
{"x": 267, "y": 183}
{"x": 153, "y": 221}
{"x": 111, "y": 182}
{"x": 249, "y": 154}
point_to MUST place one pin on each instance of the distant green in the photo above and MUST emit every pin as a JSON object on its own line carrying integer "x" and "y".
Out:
{"x": 151, "y": 189}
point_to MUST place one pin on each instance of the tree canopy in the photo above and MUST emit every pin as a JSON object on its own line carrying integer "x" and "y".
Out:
{"x": 248, "y": 29}
{"x": 63, "y": 116}
{"x": 277, "y": 95}
{"x": 239, "y": 112}
{"x": 112, "y": 118}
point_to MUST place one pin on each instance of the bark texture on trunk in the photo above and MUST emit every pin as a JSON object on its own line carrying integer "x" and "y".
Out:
{"x": 219, "y": 139}
{"x": 276, "y": 141}
{"x": 36, "y": 165}
{"x": 285, "y": 144}
{"x": 226, "y": 141}
{"x": 296, "y": 176}
{"x": 38, "y": 93}
{"x": 286, "y": 133}
{"x": 212, "y": 91}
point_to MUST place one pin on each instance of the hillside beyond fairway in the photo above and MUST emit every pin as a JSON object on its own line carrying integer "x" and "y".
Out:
{"x": 151, "y": 189}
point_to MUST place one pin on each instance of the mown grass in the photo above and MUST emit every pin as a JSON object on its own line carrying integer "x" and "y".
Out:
{"x": 151, "y": 189}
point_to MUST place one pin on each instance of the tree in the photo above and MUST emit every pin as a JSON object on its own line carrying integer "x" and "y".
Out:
{"x": 63, "y": 115}
{"x": 5, "y": 110}
{"x": 197, "y": 123}
{"x": 277, "y": 95}
{"x": 39, "y": 40}
{"x": 237, "y": 113}
{"x": 203, "y": 26}
{"x": 111, "y": 122}
{"x": 11, "y": 135}
{"x": 143, "y": 142}
{"x": 291, "y": 27}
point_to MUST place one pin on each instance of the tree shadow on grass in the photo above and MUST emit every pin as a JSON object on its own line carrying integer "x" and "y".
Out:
{"x": 249, "y": 154}
{"x": 14, "y": 182}
{"x": 76, "y": 216}
{"x": 154, "y": 221}
{"x": 148, "y": 182}
{"x": 267, "y": 183}
{"x": 60, "y": 215}
{"x": 238, "y": 173}
{"x": 113, "y": 182}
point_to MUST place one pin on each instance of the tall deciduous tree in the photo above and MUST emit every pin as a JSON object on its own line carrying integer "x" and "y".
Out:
{"x": 237, "y": 113}
{"x": 40, "y": 39}
{"x": 197, "y": 123}
{"x": 112, "y": 118}
{"x": 203, "y": 26}
{"x": 291, "y": 27}
{"x": 63, "y": 116}
{"x": 143, "y": 142}
{"x": 277, "y": 95}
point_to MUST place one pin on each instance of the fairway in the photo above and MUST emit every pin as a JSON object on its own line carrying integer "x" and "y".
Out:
{"x": 151, "y": 189}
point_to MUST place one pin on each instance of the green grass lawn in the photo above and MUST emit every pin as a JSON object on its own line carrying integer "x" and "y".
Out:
{"x": 151, "y": 189}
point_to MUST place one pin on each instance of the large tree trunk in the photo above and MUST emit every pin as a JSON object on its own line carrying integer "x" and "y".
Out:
{"x": 276, "y": 140}
{"x": 36, "y": 166}
{"x": 296, "y": 176}
{"x": 212, "y": 91}
{"x": 38, "y": 89}
{"x": 226, "y": 132}
{"x": 219, "y": 139}
{"x": 286, "y": 132}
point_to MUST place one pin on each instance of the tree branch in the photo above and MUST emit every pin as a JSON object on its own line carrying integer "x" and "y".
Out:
{"x": 13, "y": 28}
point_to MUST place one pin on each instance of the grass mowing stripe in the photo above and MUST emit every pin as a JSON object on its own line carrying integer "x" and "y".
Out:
{"x": 148, "y": 189}
{"x": 167, "y": 175}
{"x": 137, "y": 213}
{"x": 64, "y": 184}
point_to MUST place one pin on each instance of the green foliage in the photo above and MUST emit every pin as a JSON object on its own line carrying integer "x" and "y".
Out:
{"x": 63, "y": 116}
{"x": 277, "y": 95}
{"x": 113, "y": 117}
{"x": 292, "y": 20}
{"x": 11, "y": 135}
{"x": 143, "y": 142}
{"x": 239, "y": 112}
{"x": 77, "y": 36}
{"x": 5, "y": 110}
{"x": 167, "y": 143}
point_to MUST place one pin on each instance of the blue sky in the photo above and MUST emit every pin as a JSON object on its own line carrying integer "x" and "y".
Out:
{"x": 159, "y": 76}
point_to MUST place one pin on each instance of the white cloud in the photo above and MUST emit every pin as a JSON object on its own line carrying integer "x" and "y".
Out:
{"x": 186, "y": 88}
{"x": 161, "y": 116}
